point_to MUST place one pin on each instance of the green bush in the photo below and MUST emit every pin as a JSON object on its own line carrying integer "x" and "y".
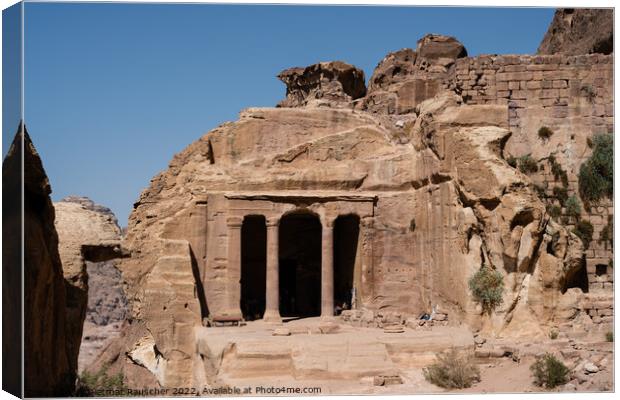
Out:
{"x": 573, "y": 208}
{"x": 549, "y": 372}
{"x": 487, "y": 287}
{"x": 609, "y": 336}
{"x": 588, "y": 92}
{"x": 564, "y": 179}
{"x": 584, "y": 230}
{"x": 553, "y": 334}
{"x": 100, "y": 384}
{"x": 607, "y": 233}
{"x": 544, "y": 133}
{"x": 527, "y": 164}
{"x": 452, "y": 371}
{"x": 554, "y": 211}
{"x": 596, "y": 175}
{"x": 540, "y": 191}
{"x": 512, "y": 161}
{"x": 557, "y": 171}
{"x": 561, "y": 194}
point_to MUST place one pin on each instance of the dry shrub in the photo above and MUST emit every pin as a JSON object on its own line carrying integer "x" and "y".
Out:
{"x": 549, "y": 372}
{"x": 487, "y": 288}
{"x": 452, "y": 370}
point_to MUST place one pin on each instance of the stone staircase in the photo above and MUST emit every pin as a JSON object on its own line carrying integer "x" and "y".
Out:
{"x": 252, "y": 352}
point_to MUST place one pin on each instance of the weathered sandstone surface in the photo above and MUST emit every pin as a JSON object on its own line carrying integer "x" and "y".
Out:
{"x": 89, "y": 238}
{"x": 85, "y": 233}
{"x": 419, "y": 159}
{"x": 579, "y": 31}
{"x": 45, "y": 332}
{"x": 12, "y": 295}
{"x": 329, "y": 84}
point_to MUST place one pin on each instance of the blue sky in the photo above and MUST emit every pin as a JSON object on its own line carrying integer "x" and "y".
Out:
{"x": 113, "y": 91}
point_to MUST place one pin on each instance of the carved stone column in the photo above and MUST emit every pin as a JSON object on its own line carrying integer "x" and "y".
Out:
{"x": 366, "y": 239}
{"x": 272, "y": 290}
{"x": 327, "y": 269}
{"x": 233, "y": 270}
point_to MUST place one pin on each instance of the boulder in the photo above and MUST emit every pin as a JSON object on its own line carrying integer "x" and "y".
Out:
{"x": 333, "y": 83}
{"x": 435, "y": 47}
{"x": 590, "y": 368}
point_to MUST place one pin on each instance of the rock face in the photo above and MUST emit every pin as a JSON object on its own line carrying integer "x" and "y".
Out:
{"x": 45, "y": 308}
{"x": 580, "y": 31}
{"x": 405, "y": 78}
{"x": 329, "y": 83}
{"x": 88, "y": 235}
{"x": 418, "y": 166}
{"x": 12, "y": 295}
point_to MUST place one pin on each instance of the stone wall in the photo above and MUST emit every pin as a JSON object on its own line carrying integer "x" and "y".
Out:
{"x": 571, "y": 95}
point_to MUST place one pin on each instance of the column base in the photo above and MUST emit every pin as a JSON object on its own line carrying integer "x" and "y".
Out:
{"x": 328, "y": 318}
{"x": 233, "y": 314}
{"x": 272, "y": 317}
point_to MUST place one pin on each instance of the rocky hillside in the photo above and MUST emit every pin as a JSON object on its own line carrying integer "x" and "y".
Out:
{"x": 430, "y": 138}
{"x": 579, "y": 31}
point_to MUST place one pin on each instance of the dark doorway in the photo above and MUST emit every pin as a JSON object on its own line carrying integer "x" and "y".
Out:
{"x": 579, "y": 279}
{"x": 601, "y": 269}
{"x": 346, "y": 234}
{"x": 300, "y": 265}
{"x": 253, "y": 266}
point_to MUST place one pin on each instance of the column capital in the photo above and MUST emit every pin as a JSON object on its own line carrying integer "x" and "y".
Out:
{"x": 234, "y": 222}
{"x": 367, "y": 222}
{"x": 328, "y": 222}
{"x": 272, "y": 221}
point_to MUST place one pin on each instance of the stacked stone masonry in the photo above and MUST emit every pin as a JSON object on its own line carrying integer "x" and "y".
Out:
{"x": 571, "y": 95}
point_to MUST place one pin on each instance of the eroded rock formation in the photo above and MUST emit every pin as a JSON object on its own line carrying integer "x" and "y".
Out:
{"x": 580, "y": 31}
{"x": 405, "y": 78}
{"x": 47, "y": 354}
{"x": 418, "y": 165}
{"x": 420, "y": 161}
{"x": 329, "y": 83}
{"x": 12, "y": 295}
{"x": 89, "y": 237}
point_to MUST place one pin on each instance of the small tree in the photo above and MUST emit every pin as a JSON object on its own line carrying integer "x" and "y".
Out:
{"x": 555, "y": 212}
{"x": 527, "y": 164}
{"x": 596, "y": 175}
{"x": 549, "y": 372}
{"x": 607, "y": 233}
{"x": 573, "y": 208}
{"x": 487, "y": 287}
{"x": 584, "y": 230}
{"x": 544, "y": 133}
{"x": 512, "y": 161}
{"x": 452, "y": 371}
{"x": 561, "y": 194}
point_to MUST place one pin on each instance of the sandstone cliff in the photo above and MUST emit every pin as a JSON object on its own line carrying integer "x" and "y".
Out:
{"x": 429, "y": 141}
{"x": 89, "y": 237}
{"x": 580, "y": 31}
{"x": 12, "y": 295}
{"x": 47, "y": 354}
